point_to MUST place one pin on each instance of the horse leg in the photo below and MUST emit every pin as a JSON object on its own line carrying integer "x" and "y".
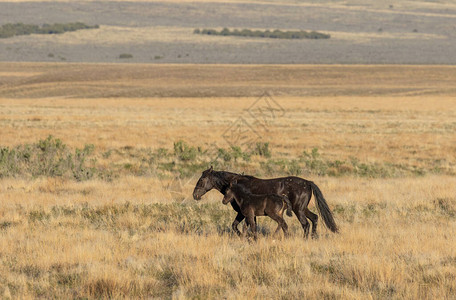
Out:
{"x": 304, "y": 223}
{"x": 245, "y": 229}
{"x": 314, "y": 219}
{"x": 236, "y": 222}
{"x": 251, "y": 222}
{"x": 285, "y": 228}
{"x": 281, "y": 224}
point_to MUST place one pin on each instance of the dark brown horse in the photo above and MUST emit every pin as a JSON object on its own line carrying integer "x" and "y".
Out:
{"x": 298, "y": 190}
{"x": 252, "y": 205}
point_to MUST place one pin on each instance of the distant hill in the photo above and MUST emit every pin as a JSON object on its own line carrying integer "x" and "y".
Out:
{"x": 361, "y": 32}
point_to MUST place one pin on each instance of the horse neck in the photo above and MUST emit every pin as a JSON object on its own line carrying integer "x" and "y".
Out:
{"x": 240, "y": 194}
{"x": 222, "y": 180}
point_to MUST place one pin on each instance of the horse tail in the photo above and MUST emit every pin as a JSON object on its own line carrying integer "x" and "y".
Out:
{"x": 323, "y": 208}
{"x": 288, "y": 203}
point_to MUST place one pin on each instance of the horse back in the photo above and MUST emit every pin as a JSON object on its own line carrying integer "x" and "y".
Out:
{"x": 281, "y": 185}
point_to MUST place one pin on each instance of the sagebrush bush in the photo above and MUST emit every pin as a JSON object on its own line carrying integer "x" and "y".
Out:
{"x": 49, "y": 157}
{"x": 262, "y": 149}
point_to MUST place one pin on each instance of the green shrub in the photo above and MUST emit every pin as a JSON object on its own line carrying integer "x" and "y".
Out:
{"x": 225, "y": 31}
{"x": 49, "y": 157}
{"x": 9, "y": 161}
{"x": 224, "y": 154}
{"x": 184, "y": 152}
{"x": 262, "y": 149}
{"x": 314, "y": 163}
{"x": 125, "y": 56}
{"x": 238, "y": 153}
{"x": 79, "y": 168}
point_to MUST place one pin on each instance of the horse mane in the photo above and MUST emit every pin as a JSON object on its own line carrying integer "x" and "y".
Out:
{"x": 222, "y": 180}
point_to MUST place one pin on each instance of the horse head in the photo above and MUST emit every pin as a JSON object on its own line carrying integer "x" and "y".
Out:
{"x": 204, "y": 184}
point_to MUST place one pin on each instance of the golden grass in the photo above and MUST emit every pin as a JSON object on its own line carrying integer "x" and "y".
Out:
{"x": 415, "y": 130}
{"x": 396, "y": 241}
{"x": 182, "y": 80}
{"x": 145, "y": 237}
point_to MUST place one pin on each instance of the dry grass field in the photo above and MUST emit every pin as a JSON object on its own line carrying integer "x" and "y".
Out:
{"x": 379, "y": 141}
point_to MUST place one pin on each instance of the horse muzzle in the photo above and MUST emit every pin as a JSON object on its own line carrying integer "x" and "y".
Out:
{"x": 196, "y": 195}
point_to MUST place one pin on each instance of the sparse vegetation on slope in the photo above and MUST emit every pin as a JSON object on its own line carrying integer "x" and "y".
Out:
{"x": 274, "y": 34}
{"x": 10, "y": 29}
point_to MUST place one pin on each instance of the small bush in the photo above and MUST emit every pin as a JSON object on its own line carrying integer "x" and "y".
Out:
{"x": 314, "y": 163}
{"x": 224, "y": 154}
{"x": 184, "y": 152}
{"x": 237, "y": 153}
{"x": 125, "y": 56}
{"x": 262, "y": 149}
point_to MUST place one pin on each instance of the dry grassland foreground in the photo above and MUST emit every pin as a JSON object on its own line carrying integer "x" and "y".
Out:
{"x": 98, "y": 164}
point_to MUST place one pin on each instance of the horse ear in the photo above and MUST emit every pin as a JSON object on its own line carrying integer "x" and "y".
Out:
{"x": 211, "y": 169}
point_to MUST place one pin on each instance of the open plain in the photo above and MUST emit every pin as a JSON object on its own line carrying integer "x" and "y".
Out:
{"x": 153, "y": 31}
{"x": 379, "y": 141}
